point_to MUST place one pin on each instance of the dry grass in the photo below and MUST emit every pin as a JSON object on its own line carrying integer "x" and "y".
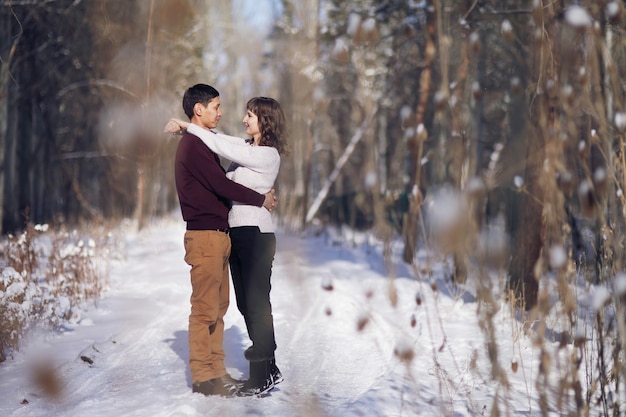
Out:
{"x": 47, "y": 276}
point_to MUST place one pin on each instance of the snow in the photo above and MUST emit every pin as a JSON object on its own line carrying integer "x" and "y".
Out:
{"x": 558, "y": 256}
{"x": 354, "y": 23}
{"x": 578, "y": 17}
{"x": 620, "y": 284}
{"x": 620, "y": 121}
{"x": 353, "y": 340}
{"x": 600, "y": 297}
{"x": 613, "y": 9}
{"x": 369, "y": 25}
{"x": 506, "y": 28}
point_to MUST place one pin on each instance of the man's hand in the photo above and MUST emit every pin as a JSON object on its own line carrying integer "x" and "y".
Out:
{"x": 270, "y": 200}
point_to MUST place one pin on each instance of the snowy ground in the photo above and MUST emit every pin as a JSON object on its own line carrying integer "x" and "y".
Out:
{"x": 345, "y": 351}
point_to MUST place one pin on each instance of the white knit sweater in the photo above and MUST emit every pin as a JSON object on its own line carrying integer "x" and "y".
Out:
{"x": 256, "y": 167}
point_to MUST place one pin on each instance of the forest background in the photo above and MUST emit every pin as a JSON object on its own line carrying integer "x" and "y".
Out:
{"x": 506, "y": 115}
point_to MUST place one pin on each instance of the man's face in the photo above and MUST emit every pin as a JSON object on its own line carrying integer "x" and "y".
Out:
{"x": 208, "y": 117}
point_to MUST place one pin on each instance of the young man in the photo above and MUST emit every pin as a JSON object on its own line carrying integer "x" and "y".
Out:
{"x": 205, "y": 194}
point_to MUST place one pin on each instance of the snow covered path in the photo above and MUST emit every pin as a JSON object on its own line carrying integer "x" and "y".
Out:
{"x": 128, "y": 356}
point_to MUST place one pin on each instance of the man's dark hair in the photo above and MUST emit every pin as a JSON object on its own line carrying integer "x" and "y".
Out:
{"x": 199, "y": 93}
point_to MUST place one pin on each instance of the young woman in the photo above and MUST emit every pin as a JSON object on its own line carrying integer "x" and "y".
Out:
{"x": 255, "y": 164}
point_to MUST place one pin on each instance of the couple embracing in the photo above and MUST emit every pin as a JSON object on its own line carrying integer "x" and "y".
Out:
{"x": 229, "y": 224}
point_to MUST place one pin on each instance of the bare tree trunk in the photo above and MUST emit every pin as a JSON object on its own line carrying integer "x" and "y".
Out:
{"x": 527, "y": 241}
{"x": 3, "y": 135}
{"x": 453, "y": 125}
{"x": 529, "y": 232}
{"x": 4, "y": 71}
{"x": 416, "y": 147}
{"x": 7, "y": 51}
{"x": 142, "y": 201}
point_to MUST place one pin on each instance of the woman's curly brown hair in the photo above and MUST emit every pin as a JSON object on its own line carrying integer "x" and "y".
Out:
{"x": 272, "y": 122}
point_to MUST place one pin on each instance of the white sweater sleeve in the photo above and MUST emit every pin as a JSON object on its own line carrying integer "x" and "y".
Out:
{"x": 257, "y": 158}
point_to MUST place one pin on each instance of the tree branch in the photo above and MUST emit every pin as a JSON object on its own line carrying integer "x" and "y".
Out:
{"x": 340, "y": 163}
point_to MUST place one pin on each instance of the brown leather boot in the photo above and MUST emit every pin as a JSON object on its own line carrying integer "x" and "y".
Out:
{"x": 225, "y": 386}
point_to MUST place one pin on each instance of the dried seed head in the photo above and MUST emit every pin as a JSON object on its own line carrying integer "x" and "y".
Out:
{"x": 583, "y": 75}
{"x": 406, "y": 115}
{"x": 565, "y": 181}
{"x": 476, "y": 189}
{"x": 474, "y": 41}
{"x": 586, "y": 199}
{"x": 620, "y": 122}
{"x": 492, "y": 247}
{"x": 430, "y": 51}
{"x": 393, "y": 294}
{"x": 404, "y": 352}
{"x": 354, "y": 28}
{"x": 558, "y": 257}
{"x": 565, "y": 339}
{"x": 600, "y": 181}
{"x": 614, "y": 12}
{"x": 567, "y": 92}
{"x": 473, "y": 363}
{"x": 340, "y": 52}
{"x": 421, "y": 133}
{"x": 46, "y": 378}
{"x": 583, "y": 149}
{"x": 516, "y": 85}
{"x": 362, "y": 321}
{"x": 418, "y": 197}
{"x": 447, "y": 220}
{"x": 600, "y": 298}
{"x": 507, "y": 30}
{"x": 579, "y": 340}
{"x": 597, "y": 28}
{"x": 578, "y": 18}
{"x": 327, "y": 283}
{"x": 551, "y": 88}
{"x": 440, "y": 100}
{"x": 620, "y": 284}
{"x": 537, "y": 12}
{"x": 370, "y": 30}
{"x": 413, "y": 320}
{"x": 514, "y": 365}
{"x": 476, "y": 90}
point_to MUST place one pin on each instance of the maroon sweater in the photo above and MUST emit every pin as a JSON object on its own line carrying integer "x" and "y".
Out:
{"x": 204, "y": 191}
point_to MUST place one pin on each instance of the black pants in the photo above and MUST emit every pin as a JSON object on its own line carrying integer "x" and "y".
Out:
{"x": 251, "y": 258}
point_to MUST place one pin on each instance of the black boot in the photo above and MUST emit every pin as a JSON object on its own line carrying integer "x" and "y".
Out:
{"x": 277, "y": 376}
{"x": 260, "y": 381}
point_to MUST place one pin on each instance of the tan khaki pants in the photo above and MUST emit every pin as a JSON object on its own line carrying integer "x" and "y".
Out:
{"x": 207, "y": 251}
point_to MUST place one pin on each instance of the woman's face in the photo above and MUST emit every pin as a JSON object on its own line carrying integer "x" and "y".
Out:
{"x": 251, "y": 122}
